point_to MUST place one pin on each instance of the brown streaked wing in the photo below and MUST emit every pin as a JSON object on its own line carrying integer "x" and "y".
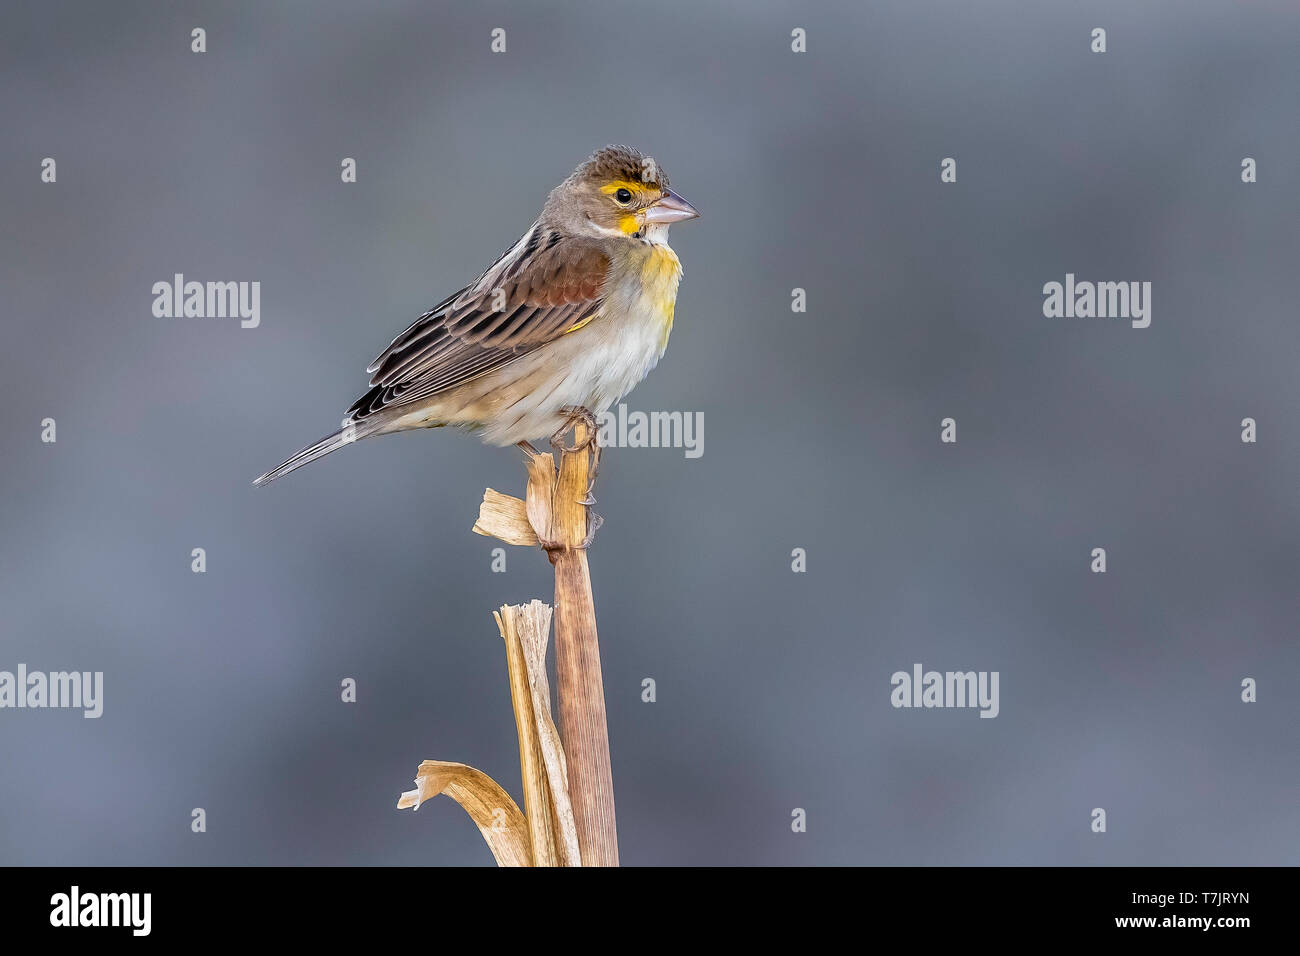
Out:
{"x": 550, "y": 284}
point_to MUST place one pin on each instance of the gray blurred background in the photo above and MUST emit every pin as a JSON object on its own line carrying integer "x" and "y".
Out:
{"x": 818, "y": 171}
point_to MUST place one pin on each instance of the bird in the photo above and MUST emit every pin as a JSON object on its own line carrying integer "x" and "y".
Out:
{"x": 564, "y": 324}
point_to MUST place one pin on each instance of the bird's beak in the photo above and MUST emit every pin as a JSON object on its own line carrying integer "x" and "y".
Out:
{"x": 671, "y": 208}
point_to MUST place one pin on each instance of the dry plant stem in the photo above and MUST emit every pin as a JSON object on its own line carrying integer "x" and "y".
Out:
{"x": 555, "y": 515}
{"x": 537, "y": 802}
{"x": 579, "y": 685}
{"x": 552, "y": 832}
{"x": 497, "y": 817}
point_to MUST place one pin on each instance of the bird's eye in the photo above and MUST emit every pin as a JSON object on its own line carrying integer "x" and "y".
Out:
{"x": 623, "y": 196}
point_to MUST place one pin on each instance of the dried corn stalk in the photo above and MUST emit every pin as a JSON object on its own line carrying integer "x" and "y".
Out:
{"x": 489, "y": 806}
{"x": 568, "y": 816}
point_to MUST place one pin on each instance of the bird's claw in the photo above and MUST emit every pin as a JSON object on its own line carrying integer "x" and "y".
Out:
{"x": 593, "y": 525}
{"x": 576, "y": 413}
{"x": 551, "y": 547}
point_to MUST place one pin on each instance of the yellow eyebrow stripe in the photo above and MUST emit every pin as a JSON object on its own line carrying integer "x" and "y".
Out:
{"x": 618, "y": 184}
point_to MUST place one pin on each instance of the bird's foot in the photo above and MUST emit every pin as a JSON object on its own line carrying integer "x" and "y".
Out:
{"x": 594, "y": 521}
{"x": 552, "y": 547}
{"x": 580, "y": 414}
{"x": 576, "y": 414}
{"x": 593, "y": 468}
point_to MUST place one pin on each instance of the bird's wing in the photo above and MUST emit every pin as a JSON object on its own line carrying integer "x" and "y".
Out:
{"x": 542, "y": 287}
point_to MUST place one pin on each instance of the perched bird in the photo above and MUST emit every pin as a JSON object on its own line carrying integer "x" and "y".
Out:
{"x": 564, "y": 324}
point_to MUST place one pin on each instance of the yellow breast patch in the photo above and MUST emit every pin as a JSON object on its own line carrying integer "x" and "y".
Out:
{"x": 659, "y": 276}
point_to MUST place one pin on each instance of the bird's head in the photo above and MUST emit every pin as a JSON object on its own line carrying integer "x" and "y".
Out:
{"x": 617, "y": 193}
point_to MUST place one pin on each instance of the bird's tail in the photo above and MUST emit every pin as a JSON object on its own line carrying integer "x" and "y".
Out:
{"x": 344, "y": 436}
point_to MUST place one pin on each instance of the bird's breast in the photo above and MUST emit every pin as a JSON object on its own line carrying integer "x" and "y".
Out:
{"x": 629, "y": 338}
{"x": 661, "y": 274}
{"x": 642, "y": 293}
